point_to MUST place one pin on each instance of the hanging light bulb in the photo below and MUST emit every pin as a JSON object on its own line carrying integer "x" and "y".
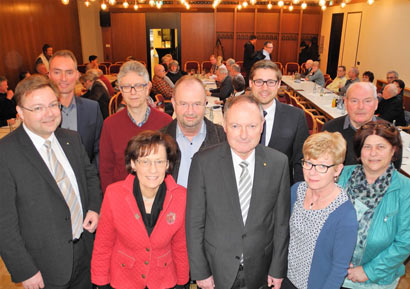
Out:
{"x": 187, "y": 6}
{"x": 111, "y": 2}
{"x": 103, "y": 6}
{"x": 65, "y": 2}
{"x": 343, "y": 5}
{"x": 245, "y": 4}
{"x": 135, "y": 5}
{"x": 125, "y": 4}
{"x": 269, "y": 6}
{"x": 151, "y": 3}
{"x": 324, "y": 7}
{"x": 87, "y": 3}
{"x": 239, "y": 6}
{"x": 370, "y": 2}
{"x": 296, "y": 2}
{"x": 322, "y": 2}
{"x": 253, "y": 2}
{"x": 290, "y": 7}
{"x": 280, "y": 3}
{"x": 304, "y": 5}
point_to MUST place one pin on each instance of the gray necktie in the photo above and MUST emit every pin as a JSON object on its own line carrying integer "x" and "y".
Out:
{"x": 67, "y": 191}
{"x": 245, "y": 190}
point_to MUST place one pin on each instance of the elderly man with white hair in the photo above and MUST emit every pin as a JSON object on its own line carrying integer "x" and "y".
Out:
{"x": 353, "y": 77}
{"x": 361, "y": 103}
{"x": 391, "y": 106}
{"x": 225, "y": 88}
{"x": 308, "y": 67}
{"x": 316, "y": 74}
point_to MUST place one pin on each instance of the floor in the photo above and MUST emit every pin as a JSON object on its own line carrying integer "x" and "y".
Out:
{"x": 5, "y": 282}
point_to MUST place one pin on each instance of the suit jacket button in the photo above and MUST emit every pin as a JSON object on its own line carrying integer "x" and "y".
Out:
{"x": 147, "y": 249}
{"x": 122, "y": 265}
{"x": 66, "y": 218}
{"x": 243, "y": 236}
{"x": 165, "y": 264}
{"x": 146, "y": 262}
{"x": 143, "y": 276}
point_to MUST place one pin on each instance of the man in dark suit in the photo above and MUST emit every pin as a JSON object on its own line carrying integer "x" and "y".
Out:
{"x": 96, "y": 90}
{"x": 50, "y": 195}
{"x": 238, "y": 206}
{"x": 78, "y": 114}
{"x": 285, "y": 126}
{"x": 191, "y": 130}
{"x": 225, "y": 88}
{"x": 249, "y": 55}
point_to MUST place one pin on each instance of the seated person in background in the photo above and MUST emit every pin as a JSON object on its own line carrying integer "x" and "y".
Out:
{"x": 380, "y": 195}
{"x": 225, "y": 88}
{"x": 219, "y": 61}
{"x": 7, "y": 104}
{"x": 400, "y": 86}
{"x": 161, "y": 84}
{"x": 214, "y": 66}
{"x": 24, "y": 75}
{"x": 323, "y": 223}
{"x": 238, "y": 84}
{"x": 41, "y": 68}
{"x": 93, "y": 62}
{"x": 339, "y": 80}
{"x": 353, "y": 77}
{"x": 229, "y": 63}
{"x": 107, "y": 83}
{"x": 44, "y": 57}
{"x": 174, "y": 73}
{"x": 391, "y": 106}
{"x": 96, "y": 90}
{"x": 236, "y": 71}
{"x": 368, "y": 76}
{"x": 391, "y": 76}
{"x": 119, "y": 128}
{"x": 316, "y": 75}
{"x": 267, "y": 50}
{"x": 308, "y": 66}
{"x": 166, "y": 60}
{"x": 143, "y": 218}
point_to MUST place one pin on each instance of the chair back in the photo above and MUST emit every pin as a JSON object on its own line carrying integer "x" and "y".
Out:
{"x": 293, "y": 100}
{"x": 206, "y": 66}
{"x": 303, "y": 67}
{"x": 114, "y": 103}
{"x": 82, "y": 68}
{"x": 280, "y": 66}
{"x": 192, "y": 65}
{"x": 291, "y": 68}
{"x": 119, "y": 62}
{"x": 103, "y": 68}
{"x": 114, "y": 68}
{"x": 311, "y": 121}
{"x": 320, "y": 123}
{"x": 107, "y": 64}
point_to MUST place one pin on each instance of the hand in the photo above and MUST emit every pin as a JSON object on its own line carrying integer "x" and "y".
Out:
{"x": 356, "y": 274}
{"x": 10, "y": 94}
{"x": 275, "y": 282}
{"x": 207, "y": 283}
{"x": 91, "y": 221}
{"x": 34, "y": 282}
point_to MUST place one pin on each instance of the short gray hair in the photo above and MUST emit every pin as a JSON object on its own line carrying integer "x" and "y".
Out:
{"x": 133, "y": 66}
{"x": 230, "y": 61}
{"x": 355, "y": 71}
{"x": 367, "y": 85}
{"x": 236, "y": 67}
{"x": 249, "y": 98}
{"x": 223, "y": 70}
{"x": 396, "y": 74}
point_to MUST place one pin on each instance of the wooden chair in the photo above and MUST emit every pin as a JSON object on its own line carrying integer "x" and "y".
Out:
{"x": 320, "y": 123}
{"x": 327, "y": 77}
{"x": 103, "y": 68}
{"x": 192, "y": 65}
{"x": 107, "y": 64}
{"x": 329, "y": 81}
{"x": 291, "y": 67}
{"x": 114, "y": 103}
{"x": 206, "y": 66}
{"x": 119, "y": 62}
{"x": 311, "y": 121}
{"x": 280, "y": 66}
{"x": 82, "y": 68}
{"x": 114, "y": 68}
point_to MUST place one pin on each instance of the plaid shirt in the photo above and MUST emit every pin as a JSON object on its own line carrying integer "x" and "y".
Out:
{"x": 159, "y": 85}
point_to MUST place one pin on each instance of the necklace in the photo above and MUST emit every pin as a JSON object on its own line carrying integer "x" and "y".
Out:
{"x": 320, "y": 199}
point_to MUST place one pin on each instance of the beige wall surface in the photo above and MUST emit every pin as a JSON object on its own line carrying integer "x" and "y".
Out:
{"x": 384, "y": 42}
{"x": 90, "y": 30}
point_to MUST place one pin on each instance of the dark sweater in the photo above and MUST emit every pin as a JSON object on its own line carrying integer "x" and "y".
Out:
{"x": 7, "y": 109}
{"x": 392, "y": 110}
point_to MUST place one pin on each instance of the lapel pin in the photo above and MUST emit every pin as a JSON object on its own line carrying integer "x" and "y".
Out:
{"x": 171, "y": 218}
{"x": 137, "y": 216}
{"x": 264, "y": 164}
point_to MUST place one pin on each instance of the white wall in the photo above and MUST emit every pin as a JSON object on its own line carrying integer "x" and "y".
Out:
{"x": 90, "y": 30}
{"x": 384, "y": 37}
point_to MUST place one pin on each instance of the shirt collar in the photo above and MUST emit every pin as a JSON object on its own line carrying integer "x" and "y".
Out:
{"x": 139, "y": 124}
{"x": 37, "y": 140}
{"x": 202, "y": 131}
{"x": 271, "y": 109}
{"x": 71, "y": 106}
{"x": 348, "y": 123}
{"x": 237, "y": 159}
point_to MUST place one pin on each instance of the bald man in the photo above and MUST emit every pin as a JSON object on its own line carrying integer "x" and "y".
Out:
{"x": 161, "y": 84}
{"x": 390, "y": 108}
{"x": 316, "y": 74}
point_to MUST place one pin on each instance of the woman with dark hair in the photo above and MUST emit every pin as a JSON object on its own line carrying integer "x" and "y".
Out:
{"x": 140, "y": 241}
{"x": 400, "y": 86}
{"x": 368, "y": 76}
{"x": 380, "y": 195}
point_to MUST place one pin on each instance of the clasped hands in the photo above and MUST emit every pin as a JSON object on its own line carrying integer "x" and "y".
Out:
{"x": 209, "y": 283}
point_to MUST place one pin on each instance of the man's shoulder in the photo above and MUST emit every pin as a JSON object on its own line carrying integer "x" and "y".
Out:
{"x": 209, "y": 153}
{"x": 117, "y": 119}
{"x": 85, "y": 102}
{"x": 271, "y": 153}
{"x": 335, "y": 124}
{"x": 288, "y": 109}
{"x": 171, "y": 128}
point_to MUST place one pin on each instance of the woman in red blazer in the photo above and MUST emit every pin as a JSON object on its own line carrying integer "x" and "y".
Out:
{"x": 140, "y": 241}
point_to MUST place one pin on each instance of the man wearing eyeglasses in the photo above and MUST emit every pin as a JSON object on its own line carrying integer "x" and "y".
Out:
{"x": 119, "y": 128}
{"x": 192, "y": 131}
{"x": 285, "y": 127}
{"x": 50, "y": 195}
{"x": 79, "y": 114}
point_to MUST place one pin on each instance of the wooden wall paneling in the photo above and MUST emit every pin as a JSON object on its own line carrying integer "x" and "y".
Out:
{"x": 107, "y": 43}
{"x": 311, "y": 22}
{"x": 197, "y": 34}
{"x": 235, "y": 20}
{"x": 268, "y": 22}
{"x": 225, "y": 21}
{"x": 255, "y": 20}
{"x": 25, "y": 25}
{"x": 245, "y": 28}
{"x": 299, "y": 33}
{"x": 289, "y": 37}
{"x": 128, "y": 34}
{"x": 280, "y": 33}
{"x": 225, "y": 30}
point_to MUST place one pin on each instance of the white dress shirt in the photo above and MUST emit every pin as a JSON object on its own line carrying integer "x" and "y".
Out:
{"x": 238, "y": 170}
{"x": 269, "y": 119}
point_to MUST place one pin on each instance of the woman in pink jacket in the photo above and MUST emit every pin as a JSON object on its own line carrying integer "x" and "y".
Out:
{"x": 140, "y": 241}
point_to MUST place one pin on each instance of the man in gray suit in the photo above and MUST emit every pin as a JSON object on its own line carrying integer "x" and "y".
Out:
{"x": 50, "y": 195}
{"x": 238, "y": 206}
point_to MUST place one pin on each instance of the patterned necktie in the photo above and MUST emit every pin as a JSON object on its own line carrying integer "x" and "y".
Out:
{"x": 245, "y": 190}
{"x": 67, "y": 190}
{"x": 263, "y": 136}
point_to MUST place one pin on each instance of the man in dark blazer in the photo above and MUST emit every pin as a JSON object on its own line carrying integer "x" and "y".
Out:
{"x": 225, "y": 88}
{"x": 238, "y": 206}
{"x": 285, "y": 126}
{"x": 40, "y": 244}
{"x": 249, "y": 55}
{"x": 191, "y": 130}
{"x": 78, "y": 114}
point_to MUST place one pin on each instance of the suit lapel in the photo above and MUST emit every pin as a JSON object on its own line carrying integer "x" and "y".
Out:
{"x": 135, "y": 211}
{"x": 276, "y": 127}
{"x": 35, "y": 159}
{"x": 80, "y": 116}
{"x": 228, "y": 175}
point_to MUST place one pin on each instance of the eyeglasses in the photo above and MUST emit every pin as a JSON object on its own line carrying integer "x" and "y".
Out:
{"x": 378, "y": 125}
{"x": 195, "y": 105}
{"x": 136, "y": 87}
{"x": 146, "y": 163}
{"x": 319, "y": 167}
{"x": 261, "y": 82}
{"x": 39, "y": 109}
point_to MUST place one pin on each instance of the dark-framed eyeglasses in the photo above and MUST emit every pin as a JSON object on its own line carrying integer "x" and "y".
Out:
{"x": 320, "y": 168}
{"x": 38, "y": 109}
{"x": 136, "y": 87}
{"x": 261, "y": 82}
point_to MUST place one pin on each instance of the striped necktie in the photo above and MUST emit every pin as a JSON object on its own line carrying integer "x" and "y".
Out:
{"x": 67, "y": 191}
{"x": 245, "y": 190}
